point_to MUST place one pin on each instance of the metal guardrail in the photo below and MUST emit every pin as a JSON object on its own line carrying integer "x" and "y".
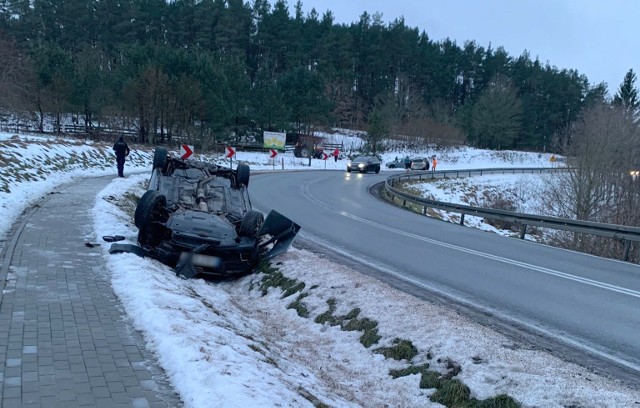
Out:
{"x": 625, "y": 233}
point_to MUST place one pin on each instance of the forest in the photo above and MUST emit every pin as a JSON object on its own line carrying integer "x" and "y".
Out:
{"x": 209, "y": 72}
{"x": 222, "y": 70}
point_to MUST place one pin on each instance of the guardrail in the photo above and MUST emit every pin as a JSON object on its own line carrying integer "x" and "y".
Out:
{"x": 625, "y": 233}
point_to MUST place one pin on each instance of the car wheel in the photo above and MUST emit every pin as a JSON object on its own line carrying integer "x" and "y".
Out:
{"x": 392, "y": 166}
{"x": 149, "y": 208}
{"x": 160, "y": 159}
{"x": 348, "y": 170}
{"x": 242, "y": 175}
{"x": 377, "y": 169}
{"x": 251, "y": 224}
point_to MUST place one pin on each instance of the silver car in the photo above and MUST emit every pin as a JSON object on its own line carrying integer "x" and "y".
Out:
{"x": 419, "y": 164}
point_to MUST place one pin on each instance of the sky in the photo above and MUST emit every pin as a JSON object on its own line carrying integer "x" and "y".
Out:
{"x": 599, "y": 38}
{"x": 227, "y": 345}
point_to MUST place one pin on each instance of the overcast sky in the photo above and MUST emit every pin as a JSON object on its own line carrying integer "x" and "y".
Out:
{"x": 599, "y": 38}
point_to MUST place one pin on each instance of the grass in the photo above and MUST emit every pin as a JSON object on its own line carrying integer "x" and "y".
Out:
{"x": 401, "y": 350}
{"x": 275, "y": 279}
{"x": 449, "y": 391}
{"x": 411, "y": 370}
{"x": 299, "y": 306}
{"x": 350, "y": 322}
{"x": 452, "y": 393}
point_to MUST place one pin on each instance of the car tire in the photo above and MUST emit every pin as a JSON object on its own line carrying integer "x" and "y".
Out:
{"x": 377, "y": 169}
{"x": 242, "y": 175}
{"x": 251, "y": 224}
{"x": 348, "y": 170}
{"x": 160, "y": 159}
{"x": 149, "y": 208}
{"x": 392, "y": 166}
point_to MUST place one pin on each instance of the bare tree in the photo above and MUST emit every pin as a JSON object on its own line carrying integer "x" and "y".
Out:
{"x": 599, "y": 185}
{"x": 15, "y": 74}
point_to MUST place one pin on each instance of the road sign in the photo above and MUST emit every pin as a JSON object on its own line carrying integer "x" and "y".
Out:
{"x": 230, "y": 152}
{"x": 324, "y": 156}
{"x": 185, "y": 151}
{"x": 273, "y": 154}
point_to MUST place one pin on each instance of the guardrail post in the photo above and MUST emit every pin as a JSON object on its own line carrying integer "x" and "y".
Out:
{"x": 627, "y": 246}
{"x": 523, "y": 230}
{"x": 424, "y": 210}
{"x": 462, "y": 219}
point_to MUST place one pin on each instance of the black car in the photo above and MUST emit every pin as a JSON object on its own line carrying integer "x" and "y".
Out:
{"x": 197, "y": 218}
{"x": 364, "y": 164}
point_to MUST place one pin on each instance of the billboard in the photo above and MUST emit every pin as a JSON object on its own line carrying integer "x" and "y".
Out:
{"x": 274, "y": 140}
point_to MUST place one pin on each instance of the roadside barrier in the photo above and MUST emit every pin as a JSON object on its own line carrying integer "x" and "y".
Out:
{"x": 625, "y": 233}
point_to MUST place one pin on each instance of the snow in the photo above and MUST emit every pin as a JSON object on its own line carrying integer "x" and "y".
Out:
{"x": 226, "y": 344}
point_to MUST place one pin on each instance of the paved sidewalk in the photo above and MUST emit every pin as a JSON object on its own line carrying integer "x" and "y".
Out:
{"x": 64, "y": 337}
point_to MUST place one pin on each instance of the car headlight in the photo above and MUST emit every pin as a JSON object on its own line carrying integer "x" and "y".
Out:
{"x": 348, "y": 164}
{"x": 361, "y": 165}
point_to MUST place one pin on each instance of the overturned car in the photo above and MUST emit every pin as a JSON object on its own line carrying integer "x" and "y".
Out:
{"x": 197, "y": 217}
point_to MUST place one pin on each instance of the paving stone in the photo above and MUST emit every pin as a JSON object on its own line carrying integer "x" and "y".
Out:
{"x": 11, "y": 392}
{"x": 11, "y": 403}
{"x": 62, "y": 332}
{"x": 12, "y": 382}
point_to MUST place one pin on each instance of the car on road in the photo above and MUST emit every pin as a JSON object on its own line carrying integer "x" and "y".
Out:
{"x": 419, "y": 164}
{"x": 396, "y": 164}
{"x": 197, "y": 217}
{"x": 364, "y": 164}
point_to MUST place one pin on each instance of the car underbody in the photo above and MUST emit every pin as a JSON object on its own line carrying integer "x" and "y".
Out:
{"x": 197, "y": 218}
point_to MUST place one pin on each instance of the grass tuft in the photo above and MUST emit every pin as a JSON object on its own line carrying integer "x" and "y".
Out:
{"x": 499, "y": 401}
{"x": 299, "y": 306}
{"x": 370, "y": 337}
{"x": 452, "y": 393}
{"x": 411, "y": 370}
{"x": 349, "y": 322}
{"x": 430, "y": 379}
{"x": 401, "y": 350}
{"x": 275, "y": 279}
{"x": 327, "y": 317}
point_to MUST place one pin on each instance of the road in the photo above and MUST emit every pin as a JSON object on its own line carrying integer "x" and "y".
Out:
{"x": 586, "y": 303}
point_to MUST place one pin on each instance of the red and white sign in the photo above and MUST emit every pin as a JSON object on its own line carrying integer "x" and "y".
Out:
{"x": 324, "y": 156}
{"x": 230, "y": 152}
{"x": 185, "y": 151}
{"x": 273, "y": 154}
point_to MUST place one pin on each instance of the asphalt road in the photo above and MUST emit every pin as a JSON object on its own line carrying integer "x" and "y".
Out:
{"x": 587, "y": 303}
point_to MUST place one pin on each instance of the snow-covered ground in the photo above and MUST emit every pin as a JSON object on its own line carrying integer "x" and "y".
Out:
{"x": 231, "y": 344}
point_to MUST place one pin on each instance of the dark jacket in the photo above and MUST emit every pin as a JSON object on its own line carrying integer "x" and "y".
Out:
{"x": 121, "y": 148}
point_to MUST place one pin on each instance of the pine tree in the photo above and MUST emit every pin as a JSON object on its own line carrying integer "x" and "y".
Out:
{"x": 497, "y": 116}
{"x": 627, "y": 95}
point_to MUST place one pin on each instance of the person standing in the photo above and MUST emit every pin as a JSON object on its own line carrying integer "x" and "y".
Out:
{"x": 434, "y": 162}
{"x": 336, "y": 153}
{"x": 407, "y": 163}
{"x": 122, "y": 150}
